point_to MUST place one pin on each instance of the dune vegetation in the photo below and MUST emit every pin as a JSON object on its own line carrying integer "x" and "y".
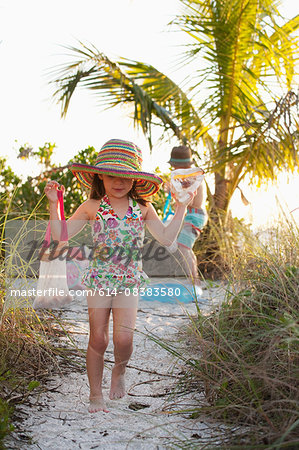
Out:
{"x": 241, "y": 360}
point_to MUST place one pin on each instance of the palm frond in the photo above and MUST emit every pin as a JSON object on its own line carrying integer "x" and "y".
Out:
{"x": 245, "y": 60}
{"x": 239, "y": 41}
{"x": 268, "y": 144}
{"x": 168, "y": 95}
{"x": 149, "y": 91}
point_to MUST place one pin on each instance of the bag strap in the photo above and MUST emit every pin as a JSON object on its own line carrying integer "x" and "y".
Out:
{"x": 168, "y": 207}
{"x": 64, "y": 234}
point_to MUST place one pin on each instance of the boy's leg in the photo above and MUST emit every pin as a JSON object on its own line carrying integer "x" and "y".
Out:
{"x": 186, "y": 240}
{"x": 98, "y": 341}
{"x": 191, "y": 263}
{"x": 124, "y": 317}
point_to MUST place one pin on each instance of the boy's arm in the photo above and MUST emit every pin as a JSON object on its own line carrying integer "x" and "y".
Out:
{"x": 198, "y": 199}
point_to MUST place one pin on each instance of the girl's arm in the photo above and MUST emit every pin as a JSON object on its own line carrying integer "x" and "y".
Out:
{"x": 166, "y": 234}
{"x": 77, "y": 221}
{"x": 74, "y": 224}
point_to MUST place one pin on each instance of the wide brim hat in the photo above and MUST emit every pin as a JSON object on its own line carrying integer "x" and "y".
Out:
{"x": 181, "y": 156}
{"x": 119, "y": 159}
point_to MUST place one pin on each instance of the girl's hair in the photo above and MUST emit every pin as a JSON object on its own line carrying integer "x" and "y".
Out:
{"x": 97, "y": 191}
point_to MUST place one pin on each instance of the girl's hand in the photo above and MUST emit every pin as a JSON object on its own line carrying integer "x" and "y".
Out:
{"x": 51, "y": 190}
{"x": 186, "y": 202}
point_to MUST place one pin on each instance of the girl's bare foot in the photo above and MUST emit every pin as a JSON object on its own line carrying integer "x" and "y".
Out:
{"x": 97, "y": 404}
{"x": 117, "y": 389}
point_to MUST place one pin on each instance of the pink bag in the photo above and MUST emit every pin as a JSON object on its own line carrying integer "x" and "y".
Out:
{"x": 52, "y": 289}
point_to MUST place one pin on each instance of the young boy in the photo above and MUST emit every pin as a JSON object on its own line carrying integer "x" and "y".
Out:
{"x": 195, "y": 217}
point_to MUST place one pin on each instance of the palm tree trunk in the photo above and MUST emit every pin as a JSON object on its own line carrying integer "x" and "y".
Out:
{"x": 221, "y": 195}
{"x": 211, "y": 262}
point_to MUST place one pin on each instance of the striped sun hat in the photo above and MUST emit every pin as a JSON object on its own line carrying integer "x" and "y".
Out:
{"x": 120, "y": 159}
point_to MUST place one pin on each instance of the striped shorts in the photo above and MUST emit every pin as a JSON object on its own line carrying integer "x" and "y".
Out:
{"x": 194, "y": 221}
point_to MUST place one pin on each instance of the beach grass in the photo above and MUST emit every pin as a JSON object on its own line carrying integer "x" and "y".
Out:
{"x": 27, "y": 357}
{"x": 242, "y": 359}
{"x": 30, "y": 346}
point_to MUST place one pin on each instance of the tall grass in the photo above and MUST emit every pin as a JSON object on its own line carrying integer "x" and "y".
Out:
{"x": 30, "y": 350}
{"x": 244, "y": 356}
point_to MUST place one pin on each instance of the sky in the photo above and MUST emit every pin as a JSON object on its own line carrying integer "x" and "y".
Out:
{"x": 32, "y": 36}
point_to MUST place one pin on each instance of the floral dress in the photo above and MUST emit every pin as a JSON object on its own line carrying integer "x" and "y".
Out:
{"x": 116, "y": 263}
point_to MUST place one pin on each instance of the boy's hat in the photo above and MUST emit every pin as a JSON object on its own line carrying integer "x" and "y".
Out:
{"x": 181, "y": 156}
{"x": 119, "y": 159}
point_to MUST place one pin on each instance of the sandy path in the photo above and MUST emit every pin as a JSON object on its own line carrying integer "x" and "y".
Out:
{"x": 58, "y": 419}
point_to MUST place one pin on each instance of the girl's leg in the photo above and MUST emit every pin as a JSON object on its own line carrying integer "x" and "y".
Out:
{"x": 124, "y": 317}
{"x": 98, "y": 341}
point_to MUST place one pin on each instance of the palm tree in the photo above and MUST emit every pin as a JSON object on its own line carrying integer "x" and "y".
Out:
{"x": 238, "y": 103}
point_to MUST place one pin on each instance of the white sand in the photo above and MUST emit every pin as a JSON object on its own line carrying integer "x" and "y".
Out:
{"x": 58, "y": 418}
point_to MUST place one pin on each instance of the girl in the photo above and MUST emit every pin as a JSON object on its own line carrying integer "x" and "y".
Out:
{"x": 117, "y": 211}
